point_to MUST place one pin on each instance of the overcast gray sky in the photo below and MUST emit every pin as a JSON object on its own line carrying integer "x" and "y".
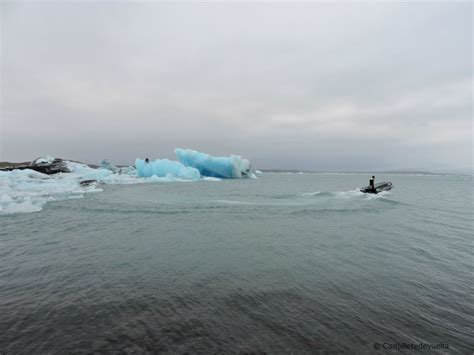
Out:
{"x": 320, "y": 86}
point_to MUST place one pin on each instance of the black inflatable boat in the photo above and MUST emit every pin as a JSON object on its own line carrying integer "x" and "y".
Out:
{"x": 381, "y": 186}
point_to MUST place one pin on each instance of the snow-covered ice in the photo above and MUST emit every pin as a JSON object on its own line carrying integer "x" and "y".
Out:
{"x": 28, "y": 190}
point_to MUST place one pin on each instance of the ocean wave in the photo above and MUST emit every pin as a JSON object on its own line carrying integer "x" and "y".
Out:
{"x": 318, "y": 193}
{"x": 232, "y": 202}
{"x": 342, "y": 210}
{"x": 142, "y": 210}
{"x": 281, "y": 196}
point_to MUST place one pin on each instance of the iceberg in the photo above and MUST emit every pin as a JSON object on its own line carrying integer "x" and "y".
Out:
{"x": 166, "y": 168}
{"x": 233, "y": 167}
{"x": 106, "y": 164}
{"x": 123, "y": 170}
{"x": 194, "y": 165}
{"x": 28, "y": 187}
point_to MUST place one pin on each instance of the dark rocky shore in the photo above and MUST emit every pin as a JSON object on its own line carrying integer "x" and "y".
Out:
{"x": 40, "y": 165}
{"x": 46, "y": 166}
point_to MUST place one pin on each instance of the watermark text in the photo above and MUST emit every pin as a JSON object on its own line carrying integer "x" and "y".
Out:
{"x": 411, "y": 346}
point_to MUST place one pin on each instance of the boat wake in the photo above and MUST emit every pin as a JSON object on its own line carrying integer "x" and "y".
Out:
{"x": 351, "y": 194}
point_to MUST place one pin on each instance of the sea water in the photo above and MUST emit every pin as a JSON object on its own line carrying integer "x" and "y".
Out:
{"x": 282, "y": 263}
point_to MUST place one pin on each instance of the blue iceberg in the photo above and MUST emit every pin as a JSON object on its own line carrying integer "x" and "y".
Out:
{"x": 193, "y": 165}
{"x": 233, "y": 167}
{"x": 166, "y": 168}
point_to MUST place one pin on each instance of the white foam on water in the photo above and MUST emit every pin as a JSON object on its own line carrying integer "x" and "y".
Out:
{"x": 316, "y": 193}
{"x": 209, "y": 178}
{"x": 351, "y": 194}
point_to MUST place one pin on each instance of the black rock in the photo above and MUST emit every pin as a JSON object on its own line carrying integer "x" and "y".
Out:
{"x": 88, "y": 182}
{"x": 56, "y": 166}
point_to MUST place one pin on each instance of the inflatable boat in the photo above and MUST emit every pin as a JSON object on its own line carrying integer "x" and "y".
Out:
{"x": 381, "y": 186}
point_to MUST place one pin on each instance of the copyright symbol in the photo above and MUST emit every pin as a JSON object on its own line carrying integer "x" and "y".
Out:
{"x": 377, "y": 346}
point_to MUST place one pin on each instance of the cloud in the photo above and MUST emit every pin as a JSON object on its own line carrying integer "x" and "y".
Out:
{"x": 307, "y": 85}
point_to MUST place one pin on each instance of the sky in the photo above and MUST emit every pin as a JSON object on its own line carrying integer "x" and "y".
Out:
{"x": 314, "y": 86}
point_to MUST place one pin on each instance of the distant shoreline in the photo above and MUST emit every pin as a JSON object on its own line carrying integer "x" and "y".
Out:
{"x": 382, "y": 172}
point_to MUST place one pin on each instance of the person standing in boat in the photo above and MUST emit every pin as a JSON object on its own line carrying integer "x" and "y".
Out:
{"x": 372, "y": 183}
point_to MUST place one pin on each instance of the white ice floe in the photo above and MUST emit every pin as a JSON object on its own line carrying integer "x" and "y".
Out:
{"x": 28, "y": 190}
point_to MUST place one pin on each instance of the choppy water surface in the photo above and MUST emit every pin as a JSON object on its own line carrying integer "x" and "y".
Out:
{"x": 284, "y": 263}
